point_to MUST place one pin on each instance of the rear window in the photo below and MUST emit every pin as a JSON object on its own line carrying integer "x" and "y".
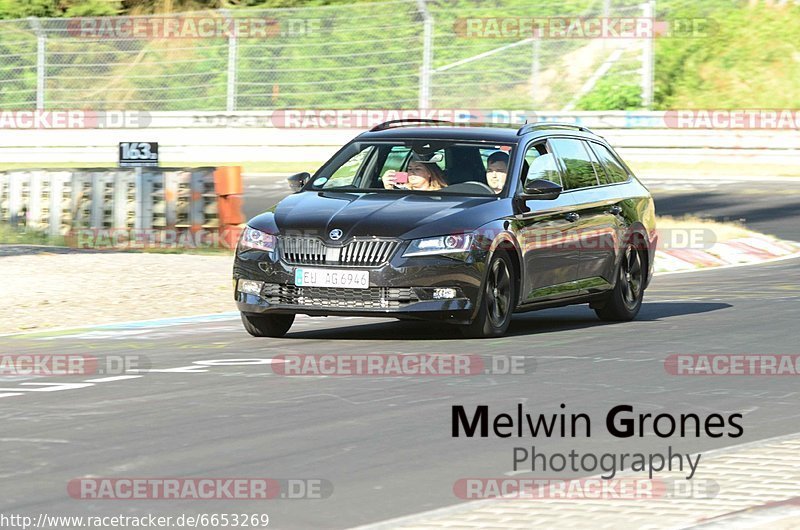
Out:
{"x": 575, "y": 159}
{"x": 614, "y": 172}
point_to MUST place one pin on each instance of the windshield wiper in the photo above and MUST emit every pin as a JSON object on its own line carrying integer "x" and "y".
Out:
{"x": 340, "y": 188}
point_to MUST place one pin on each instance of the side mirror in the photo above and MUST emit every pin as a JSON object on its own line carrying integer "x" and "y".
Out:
{"x": 298, "y": 180}
{"x": 542, "y": 189}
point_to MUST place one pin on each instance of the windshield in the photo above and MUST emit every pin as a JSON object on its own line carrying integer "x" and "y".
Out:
{"x": 418, "y": 166}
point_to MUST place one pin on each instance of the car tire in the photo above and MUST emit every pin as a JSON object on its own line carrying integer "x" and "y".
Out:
{"x": 267, "y": 325}
{"x": 497, "y": 301}
{"x": 624, "y": 301}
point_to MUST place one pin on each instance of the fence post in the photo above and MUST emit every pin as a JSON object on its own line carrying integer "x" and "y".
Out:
{"x": 536, "y": 67}
{"x": 41, "y": 41}
{"x": 233, "y": 50}
{"x": 427, "y": 56}
{"x": 648, "y": 56}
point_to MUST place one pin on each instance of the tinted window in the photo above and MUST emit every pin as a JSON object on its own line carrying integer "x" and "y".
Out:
{"x": 532, "y": 154}
{"x": 371, "y": 165}
{"x": 598, "y": 168}
{"x": 575, "y": 158}
{"x": 614, "y": 170}
{"x": 541, "y": 165}
{"x": 346, "y": 173}
{"x": 396, "y": 159}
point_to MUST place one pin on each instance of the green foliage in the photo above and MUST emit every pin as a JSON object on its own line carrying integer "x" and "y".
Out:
{"x": 612, "y": 93}
{"x": 58, "y": 8}
{"x": 750, "y": 59}
{"x": 29, "y": 8}
{"x": 93, "y": 8}
{"x": 10, "y": 235}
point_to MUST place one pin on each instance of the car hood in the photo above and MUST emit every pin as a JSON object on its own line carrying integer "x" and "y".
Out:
{"x": 378, "y": 214}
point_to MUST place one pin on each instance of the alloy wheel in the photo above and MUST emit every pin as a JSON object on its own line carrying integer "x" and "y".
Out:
{"x": 498, "y": 293}
{"x": 631, "y": 276}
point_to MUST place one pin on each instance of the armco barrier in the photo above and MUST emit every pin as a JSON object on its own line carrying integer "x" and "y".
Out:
{"x": 61, "y": 201}
{"x": 186, "y": 140}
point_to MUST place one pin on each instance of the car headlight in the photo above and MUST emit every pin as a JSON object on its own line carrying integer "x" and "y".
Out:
{"x": 256, "y": 239}
{"x": 430, "y": 246}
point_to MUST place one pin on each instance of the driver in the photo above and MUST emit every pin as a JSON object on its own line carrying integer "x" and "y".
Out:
{"x": 422, "y": 176}
{"x": 497, "y": 170}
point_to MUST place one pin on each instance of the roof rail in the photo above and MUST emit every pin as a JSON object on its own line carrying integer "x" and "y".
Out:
{"x": 407, "y": 123}
{"x": 528, "y": 127}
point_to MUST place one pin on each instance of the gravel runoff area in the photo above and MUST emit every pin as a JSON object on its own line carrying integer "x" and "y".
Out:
{"x": 44, "y": 288}
{"x": 54, "y": 287}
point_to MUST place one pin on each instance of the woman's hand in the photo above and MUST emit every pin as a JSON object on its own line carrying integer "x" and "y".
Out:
{"x": 388, "y": 179}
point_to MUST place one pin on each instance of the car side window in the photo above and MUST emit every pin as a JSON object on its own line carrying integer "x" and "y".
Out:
{"x": 347, "y": 172}
{"x": 616, "y": 173}
{"x": 541, "y": 165}
{"x": 575, "y": 160}
{"x": 396, "y": 159}
{"x": 602, "y": 177}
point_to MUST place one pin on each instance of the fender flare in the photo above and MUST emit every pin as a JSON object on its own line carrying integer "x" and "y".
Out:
{"x": 506, "y": 237}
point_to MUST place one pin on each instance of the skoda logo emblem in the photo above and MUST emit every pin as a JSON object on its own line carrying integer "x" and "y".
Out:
{"x": 335, "y": 234}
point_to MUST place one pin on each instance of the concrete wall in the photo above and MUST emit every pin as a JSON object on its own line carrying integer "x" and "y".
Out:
{"x": 244, "y": 137}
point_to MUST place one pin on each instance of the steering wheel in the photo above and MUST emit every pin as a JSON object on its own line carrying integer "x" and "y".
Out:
{"x": 471, "y": 186}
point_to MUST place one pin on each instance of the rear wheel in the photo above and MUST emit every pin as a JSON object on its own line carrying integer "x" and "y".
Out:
{"x": 625, "y": 300}
{"x": 497, "y": 302}
{"x": 267, "y": 325}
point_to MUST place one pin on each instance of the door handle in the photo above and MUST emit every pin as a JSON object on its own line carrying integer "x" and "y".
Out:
{"x": 615, "y": 210}
{"x": 572, "y": 217}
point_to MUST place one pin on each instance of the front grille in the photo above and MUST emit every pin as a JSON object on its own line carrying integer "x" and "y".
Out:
{"x": 356, "y": 253}
{"x": 303, "y": 250}
{"x": 339, "y": 298}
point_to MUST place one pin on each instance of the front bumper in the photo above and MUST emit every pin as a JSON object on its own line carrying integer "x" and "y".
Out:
{"x": 401, "y": 288}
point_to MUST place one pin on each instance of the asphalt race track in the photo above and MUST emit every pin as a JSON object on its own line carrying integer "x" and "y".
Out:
{"x": 384, "y": 443}
{"x": 770, "y": 207}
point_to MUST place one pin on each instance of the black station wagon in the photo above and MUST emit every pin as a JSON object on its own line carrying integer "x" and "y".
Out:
{"x": 464, "y": 225}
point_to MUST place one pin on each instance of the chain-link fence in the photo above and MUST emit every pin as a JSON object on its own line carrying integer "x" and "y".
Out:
{"x": 392, "y": 54}
{"x": 483, "y": 54}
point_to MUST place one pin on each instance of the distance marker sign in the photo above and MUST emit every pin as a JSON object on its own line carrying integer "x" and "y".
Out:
{"x": 138, "y": 154}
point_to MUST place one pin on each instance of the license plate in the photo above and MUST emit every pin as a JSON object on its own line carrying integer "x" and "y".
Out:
{"x": 331, "y": 278}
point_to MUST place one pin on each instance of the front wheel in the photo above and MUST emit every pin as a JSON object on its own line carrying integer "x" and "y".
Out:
{"x": 267, "y": 325}
{"x": 625, "y": 300}
{"x": 497, "y": 302}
